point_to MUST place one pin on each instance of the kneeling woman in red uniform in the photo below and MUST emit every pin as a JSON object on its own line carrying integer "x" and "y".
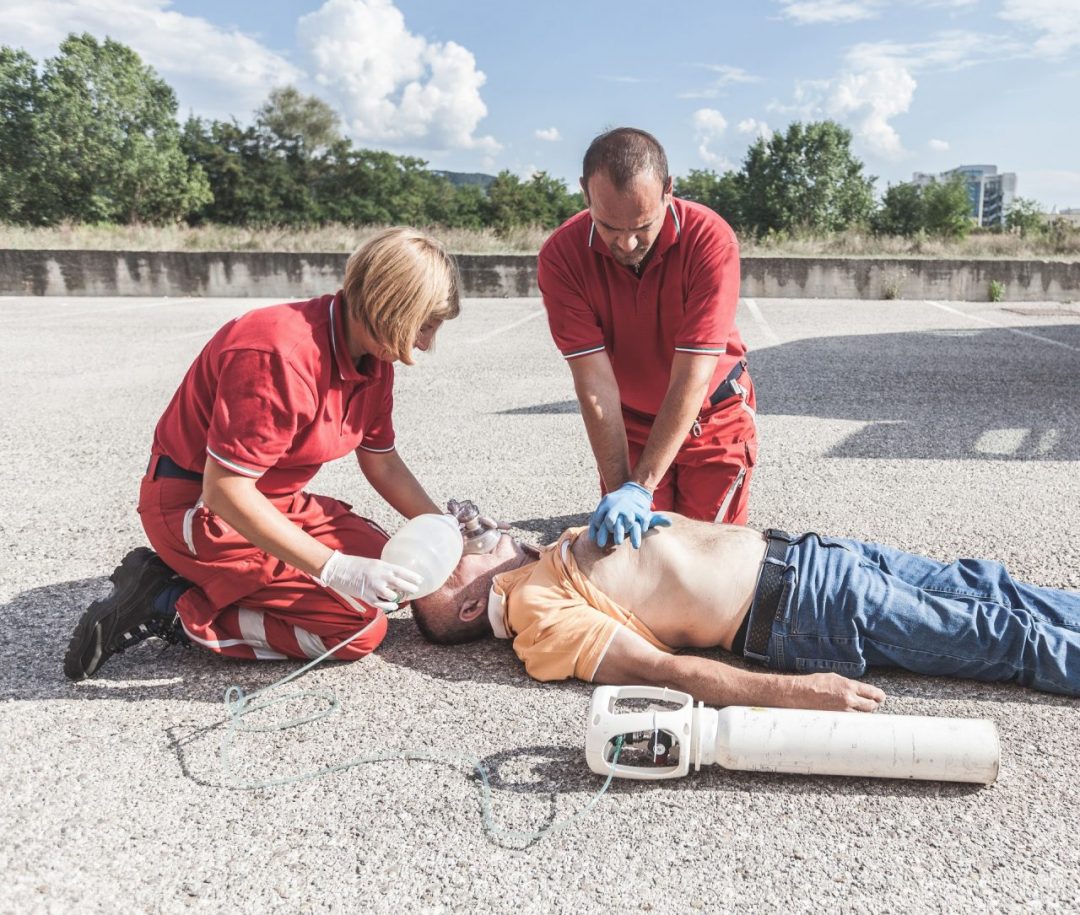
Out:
{"x": 247, "y": 563}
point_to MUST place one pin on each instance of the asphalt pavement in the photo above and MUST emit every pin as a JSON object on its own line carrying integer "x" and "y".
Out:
{"x": 945, "y": 428}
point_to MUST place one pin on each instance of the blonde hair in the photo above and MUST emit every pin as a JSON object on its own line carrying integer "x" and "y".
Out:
{"x": 397, "y": 281}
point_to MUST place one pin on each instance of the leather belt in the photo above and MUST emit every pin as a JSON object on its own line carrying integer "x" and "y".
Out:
{"x": 167, "y": 467}
{"x": 766, "y": 601}
{"x": 730, "y": 386}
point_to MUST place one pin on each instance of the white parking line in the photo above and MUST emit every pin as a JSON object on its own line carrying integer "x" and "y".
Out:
{"x": 771, "y": 337}
{"x": 511, "y": 326}
{"x": 88, "y": 307}
{"x": 1012, "y": 330}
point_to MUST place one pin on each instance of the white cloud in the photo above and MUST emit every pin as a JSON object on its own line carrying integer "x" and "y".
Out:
{"x": 1058, "y": 20}
{"x": 755, "y": 127}
{"x": 725, "y": 76}
{"x": 865, "y": 101}
{"x": 878, "y": 83}
{"x": 813, "y": 12}
{"x": 869, "y": 100}
{"x": 938, "y": 145}
{"x": 220, "y": 72}
{"x": 947, "y": 50}
{"x": 816, "y": 12}
{"x": 709, "y": 126}
{"x": 550, "y": 134}
{"x": 390, "y": 85}
{"x": 393, "y": 86}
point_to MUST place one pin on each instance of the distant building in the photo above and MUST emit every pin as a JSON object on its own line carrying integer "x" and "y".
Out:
{"x": 1071, "y": 215}
{"x": 991, "y": 193}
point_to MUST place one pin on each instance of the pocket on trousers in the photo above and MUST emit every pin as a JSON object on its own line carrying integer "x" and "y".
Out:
{"x": 820, "y": 665}
{"x": 209, "y": 538}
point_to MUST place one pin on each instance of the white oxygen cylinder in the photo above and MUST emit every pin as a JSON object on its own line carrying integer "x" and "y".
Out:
{"x": 429, "y": 545}
{"x": 849, "y": 743}
{"x": 649, "y": 732}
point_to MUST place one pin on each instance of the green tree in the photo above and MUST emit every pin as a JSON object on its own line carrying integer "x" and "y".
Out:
{"x": 244, "y": 175}
{"x": 540, "y": 201}
{"x": 293, "y": 119}
{"x": 107, "y": 142}
{"x": 902, "y": 211}
{"x": 1025, "y": 217}
{"x": 722, "y": 193}
{"x": 947, "y": 208}
{"x": 19, "y": 101}
{"x": 805, "y": 178}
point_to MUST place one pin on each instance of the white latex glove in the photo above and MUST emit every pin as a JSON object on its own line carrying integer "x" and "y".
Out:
{"x": 381, "y": 584}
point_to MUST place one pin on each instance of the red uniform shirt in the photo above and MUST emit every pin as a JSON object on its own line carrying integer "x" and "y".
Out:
{"x": 275, "y": 395}
{"x": 684, "y": 300}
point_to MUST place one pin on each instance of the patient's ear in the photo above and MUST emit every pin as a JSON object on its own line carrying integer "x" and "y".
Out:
{"x": 471, "y": 609}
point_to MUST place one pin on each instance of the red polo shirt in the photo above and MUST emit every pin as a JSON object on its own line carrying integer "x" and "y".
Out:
{"x": 275, "y": 395}
{"x": 684, "y": 300}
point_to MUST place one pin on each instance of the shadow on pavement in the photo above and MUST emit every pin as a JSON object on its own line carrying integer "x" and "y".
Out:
{"x": 985, "y": 394}
{"x": 487, "y": 660}
{"x": 36, "y": 624}
{"x": 550, "y": 529}
{"x": 560, "y": 406}
{"x": 35, "y": 627}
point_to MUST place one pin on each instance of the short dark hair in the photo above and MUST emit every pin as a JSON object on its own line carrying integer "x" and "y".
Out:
{"x": 624, "y": 153}
{"x": 440, "y": 631}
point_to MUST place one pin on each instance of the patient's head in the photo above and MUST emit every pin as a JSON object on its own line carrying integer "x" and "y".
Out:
{"x": 457, "y": 612}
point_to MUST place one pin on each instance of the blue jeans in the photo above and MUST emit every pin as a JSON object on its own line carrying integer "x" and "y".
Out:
{"x": 846, "y": 605}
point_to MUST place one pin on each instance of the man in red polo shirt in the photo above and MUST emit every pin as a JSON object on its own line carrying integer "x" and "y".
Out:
{"x": 641, "y": 291}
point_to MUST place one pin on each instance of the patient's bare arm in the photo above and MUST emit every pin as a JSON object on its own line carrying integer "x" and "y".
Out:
{"x": 632, "y": 660}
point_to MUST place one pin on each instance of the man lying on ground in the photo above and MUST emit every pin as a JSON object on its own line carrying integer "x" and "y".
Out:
{"x": 826, "y": 608}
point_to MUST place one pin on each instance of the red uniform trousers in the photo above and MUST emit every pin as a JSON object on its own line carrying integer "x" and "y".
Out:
{"x": 244, "y": 603}
{"x": 710, "y": 477}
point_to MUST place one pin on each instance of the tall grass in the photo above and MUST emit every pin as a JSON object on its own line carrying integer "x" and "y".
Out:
{"x": 978, "y": 245}
{"x": 526, "y": 240}
{"x": 330, "y": 238}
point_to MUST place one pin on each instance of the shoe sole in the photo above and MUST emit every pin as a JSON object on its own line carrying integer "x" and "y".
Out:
{"x": 88, "y": 629}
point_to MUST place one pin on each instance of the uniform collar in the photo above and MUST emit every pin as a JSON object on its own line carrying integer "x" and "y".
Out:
{"x": 496, "y": 613}
{"x": 348, "y": 370}
{"x": 670, "y": 233}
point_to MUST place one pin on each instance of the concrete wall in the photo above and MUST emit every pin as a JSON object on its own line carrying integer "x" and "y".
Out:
{"x": 909, "y": 278}
{"x": 282, "y": 275}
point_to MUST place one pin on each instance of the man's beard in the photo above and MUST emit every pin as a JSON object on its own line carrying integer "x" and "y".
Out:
{"x": 632, "y": 260}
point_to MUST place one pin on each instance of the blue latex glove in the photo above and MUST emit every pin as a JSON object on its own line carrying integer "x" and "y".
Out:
{"x": 626, "y": 511}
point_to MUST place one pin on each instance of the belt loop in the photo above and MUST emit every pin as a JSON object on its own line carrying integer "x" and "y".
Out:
{"x": 151, "y": 468}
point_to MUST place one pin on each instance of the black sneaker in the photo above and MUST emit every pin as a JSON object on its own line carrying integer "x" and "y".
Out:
{"x": 124, "y": 618}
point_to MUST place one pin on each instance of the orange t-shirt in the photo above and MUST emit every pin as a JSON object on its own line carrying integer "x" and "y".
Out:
{"x": 561, "y": 625}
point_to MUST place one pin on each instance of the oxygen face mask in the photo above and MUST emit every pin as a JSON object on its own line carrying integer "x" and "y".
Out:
{"x": 478, "y": 537}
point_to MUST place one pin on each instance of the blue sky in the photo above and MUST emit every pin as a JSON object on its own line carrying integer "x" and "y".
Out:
{"x": 924, "y": 85}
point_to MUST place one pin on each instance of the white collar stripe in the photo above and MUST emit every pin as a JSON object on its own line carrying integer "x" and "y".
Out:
{"x": 701, "y": 349}
{"x": 583, "y": 352}
{"x": 233, "y": 466}
{"x": 333, "y": 338}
